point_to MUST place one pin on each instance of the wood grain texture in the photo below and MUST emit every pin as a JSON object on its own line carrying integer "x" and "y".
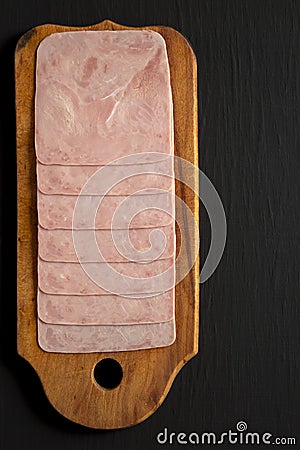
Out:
{"x": 148, "y": 374}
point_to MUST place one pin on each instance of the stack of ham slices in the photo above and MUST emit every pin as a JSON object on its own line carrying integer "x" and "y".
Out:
{"x": 105, "y": 192}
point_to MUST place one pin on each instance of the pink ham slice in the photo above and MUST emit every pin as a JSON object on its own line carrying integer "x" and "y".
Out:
{"x": 69, "y": 180}
{"x": 56, "y": 211}
{"x": 124, "y": 278}
{"x": 104, "y": 338}
{"x": 101, "y": 95}
{"x": 58, "y": 245}
{"x": 104, "y": 309}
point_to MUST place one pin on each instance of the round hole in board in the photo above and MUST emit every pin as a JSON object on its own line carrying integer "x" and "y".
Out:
{"x": 108, "y": 373}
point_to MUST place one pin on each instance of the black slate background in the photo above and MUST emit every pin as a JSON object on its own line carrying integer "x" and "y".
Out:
{"x": 248, "y": 54}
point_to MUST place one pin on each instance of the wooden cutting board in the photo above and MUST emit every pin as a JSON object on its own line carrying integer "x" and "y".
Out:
{"x": 68, "y": 379}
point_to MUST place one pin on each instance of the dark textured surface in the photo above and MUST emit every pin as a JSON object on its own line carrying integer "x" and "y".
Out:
{"x": 248, "y": 366}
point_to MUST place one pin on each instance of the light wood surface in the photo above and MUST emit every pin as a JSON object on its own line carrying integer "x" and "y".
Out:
{"x": 147, "y": 374}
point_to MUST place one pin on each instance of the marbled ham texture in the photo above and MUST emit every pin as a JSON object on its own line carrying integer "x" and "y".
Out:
{"x": 101, "y": 96}
{"x": 125, "y": 278}
{"x": 70, "y": 180}
{"x": 104, "y": 338}
{"x": 58, "y": 245}
{"x": 56, "y": 211}
{"x": 104, "y": 309}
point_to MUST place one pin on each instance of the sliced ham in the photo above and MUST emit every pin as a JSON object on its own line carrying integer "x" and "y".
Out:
{"x": 104, "y": 144}
{"x": 104, "y": 309}
{"x": 144, "y": 244}
{"x": 104, "y": 338}
{"x": 102, "y": 279}
{"x": 56, "y": 211}
{"x": 101, "y": 95}
{"x": 123, "y": 180}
